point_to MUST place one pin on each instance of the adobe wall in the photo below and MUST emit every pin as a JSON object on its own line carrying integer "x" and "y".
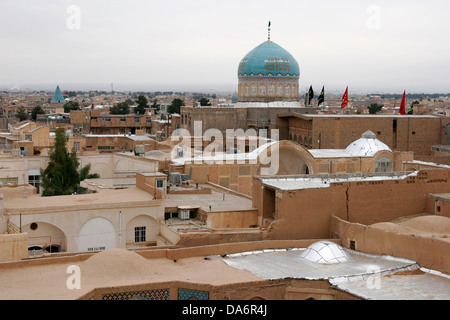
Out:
{"x": 416, "y": 134}
{"x": 306, "y": 213}
{"x": 13, "y": 247}
{"x": 428, "y": 251}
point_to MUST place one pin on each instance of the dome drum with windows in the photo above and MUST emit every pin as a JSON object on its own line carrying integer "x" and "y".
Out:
{"x": 268, "y": 73}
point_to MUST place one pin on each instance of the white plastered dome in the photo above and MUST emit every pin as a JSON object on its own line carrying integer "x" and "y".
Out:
{"x": 366, "y": 146}
{"x": 325, "y": 252}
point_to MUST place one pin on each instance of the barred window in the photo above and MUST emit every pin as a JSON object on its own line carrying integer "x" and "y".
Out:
{"x": 139, "y": 234}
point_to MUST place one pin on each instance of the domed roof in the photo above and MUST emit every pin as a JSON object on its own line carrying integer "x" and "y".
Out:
{"x": 367, "y": 146}
{"x": 269, "y": 59}
{"x": 326, "y": 252}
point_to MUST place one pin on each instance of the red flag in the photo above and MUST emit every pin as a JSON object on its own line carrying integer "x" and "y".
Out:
{"x": 402, "y": 104}
{"x": 344, "y": 99}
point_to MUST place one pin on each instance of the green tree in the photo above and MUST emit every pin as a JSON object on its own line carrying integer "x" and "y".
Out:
{"x": 71, "y": 105}
{"x": 120, "y": 108}
{"x": 22, "y": 114}
{"x": 204, "y": 102}
{"x": 374, "y": 108}
{"x": 36, "y": 110}
{"x": 142, "y": 103}
{"x": 175, "y": 106}
{"x": 156, "y": 105}
{"x": 61, "y": 177}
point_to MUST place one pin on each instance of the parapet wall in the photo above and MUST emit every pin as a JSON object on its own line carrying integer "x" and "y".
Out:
{"x": 427, "y": 251}
{"x": 13, "y": 247}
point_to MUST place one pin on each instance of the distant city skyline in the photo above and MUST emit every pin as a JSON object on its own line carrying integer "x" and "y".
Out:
{"x": 174, "y": 45}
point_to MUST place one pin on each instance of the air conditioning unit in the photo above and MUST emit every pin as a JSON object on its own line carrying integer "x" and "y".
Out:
{"x": 184, "y": 214}
{"x": 176, "y": 178}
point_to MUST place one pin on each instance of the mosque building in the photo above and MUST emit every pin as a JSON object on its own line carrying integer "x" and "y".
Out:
{"x": 268, "y": 73}
{"x": 268, "y": 85}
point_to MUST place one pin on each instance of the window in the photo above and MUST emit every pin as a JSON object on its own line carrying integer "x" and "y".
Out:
{"x": 137, "y": 119}
{"x": 383, "y": 164}
{"x": 123, "y": 119}
{"x": 139, "y": 234}
{"x": 34, "y": 180}
{"x": 271, "y": 89}
{"x": 106, "y": 119}
{"x": 76, "y": 146}
{"x": 105, "y": 147}
{"x": 148, "y": 119}
{"x": 254, "y": 90}
{"x": 262, "y": 89}
{"x": 29, "y": 137}
{"x": 280, "y": 90}
{"x": 160, "y": 183}
{"x": 287, "y": 90}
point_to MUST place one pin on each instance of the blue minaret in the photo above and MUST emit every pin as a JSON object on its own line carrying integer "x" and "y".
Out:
{"x": 57, "y": 97}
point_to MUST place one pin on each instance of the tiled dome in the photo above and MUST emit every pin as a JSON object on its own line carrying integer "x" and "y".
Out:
{"x": 269, "y": 59}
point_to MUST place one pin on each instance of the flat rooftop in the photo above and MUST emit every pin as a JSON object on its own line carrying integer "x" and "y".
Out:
{"x": 411, "y": 282}
{"x": 106, "y": 197}
{"x": 324, "y": 181}
{"x": 219, "y": 201}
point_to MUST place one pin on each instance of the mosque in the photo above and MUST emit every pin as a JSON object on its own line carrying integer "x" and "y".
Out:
{"x": 268, "y": 85}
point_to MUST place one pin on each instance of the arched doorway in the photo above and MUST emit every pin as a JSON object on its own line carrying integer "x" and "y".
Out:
{"x": 44, "y": 235}
{"x": 97, "y": 234}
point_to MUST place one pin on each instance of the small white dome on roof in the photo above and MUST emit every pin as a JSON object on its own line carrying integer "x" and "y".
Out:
{"x": 326, "y": 252}
{"x": 367, "y": 146}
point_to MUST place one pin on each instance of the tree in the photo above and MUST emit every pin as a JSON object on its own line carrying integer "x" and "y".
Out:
{"x": 71, "y": 105}
{"x": 21, "y": 114}
{"x": 204, "y": 102}
{"x": 156, "y": 105}
{"x": 142, "y": 103}
{"x": 374, "y": 108}
{"x": 36, "y": 110}
{"x": 61, "y": 177}
{"x": 120, "y": 108}
{"x": 175, "y": 106}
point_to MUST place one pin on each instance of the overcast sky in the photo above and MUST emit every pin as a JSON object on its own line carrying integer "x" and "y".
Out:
{"x": 182, "y": 44}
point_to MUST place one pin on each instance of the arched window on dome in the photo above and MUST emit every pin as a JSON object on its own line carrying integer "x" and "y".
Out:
{"x": 271, "y": 89}
{"x": 290, "y": 137}
{"x": 254, "y": 90}
{"x": 262, "y": 89}
{"x": 306, "y": 143}
{"x": 300, "y": 141}
{"x": 247, "y": 90}
{"x": 310, "y": 142}
{"x": 295, "y": 138}
{"x": 383, "y": 164}
{"x": 287, "y": 90}
{"x": 280, "y": 90}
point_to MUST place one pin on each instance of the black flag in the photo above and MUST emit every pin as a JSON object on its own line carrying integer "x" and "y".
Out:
{"x": 321, "y": 97}
{"x": 310, "y": 95}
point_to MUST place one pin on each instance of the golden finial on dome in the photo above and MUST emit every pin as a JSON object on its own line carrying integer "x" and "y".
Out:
{"x": 268, "y": 37}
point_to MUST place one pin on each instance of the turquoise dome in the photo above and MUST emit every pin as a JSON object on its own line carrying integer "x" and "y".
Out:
{"x": 269, "y": 59}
